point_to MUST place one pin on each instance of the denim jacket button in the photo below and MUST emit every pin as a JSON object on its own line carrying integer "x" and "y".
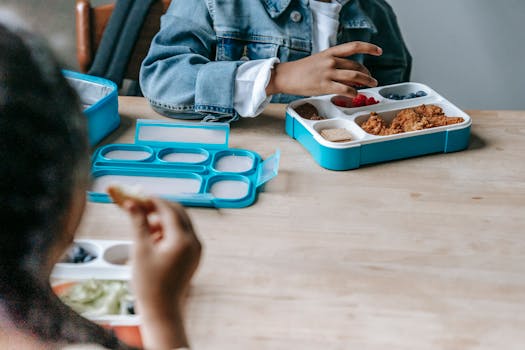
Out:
{"x": 245, "y": 58}
{"x": 296, "y": 16}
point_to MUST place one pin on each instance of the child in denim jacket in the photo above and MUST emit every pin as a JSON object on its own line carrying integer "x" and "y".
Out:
{"x": 224, "y": 59}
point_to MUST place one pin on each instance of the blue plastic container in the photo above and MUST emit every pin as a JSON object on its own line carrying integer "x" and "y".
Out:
{"x": 99, "y": 97}
{"x": 185, "y": 162}
{"x": 364, "y": 148}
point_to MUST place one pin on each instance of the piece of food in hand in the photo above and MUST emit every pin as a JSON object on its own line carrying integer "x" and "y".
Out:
{"x": 336, "y": 135}
{"x": 308, "y": 111}
{"x": 120, "y": 196}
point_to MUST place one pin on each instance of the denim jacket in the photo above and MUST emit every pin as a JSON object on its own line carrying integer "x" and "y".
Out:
{"x": 191, "y": 66}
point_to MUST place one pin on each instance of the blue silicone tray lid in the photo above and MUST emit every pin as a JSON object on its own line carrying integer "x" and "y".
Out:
{"x": 185, "y": 162}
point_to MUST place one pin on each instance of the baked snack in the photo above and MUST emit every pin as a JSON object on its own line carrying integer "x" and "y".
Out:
{"x": 410, "y": 119}
{"x": 336, "y": 135}
{"x": 120, "y": 196}
{"x": 308, "y": 111}
{"x": 375, "y": 125}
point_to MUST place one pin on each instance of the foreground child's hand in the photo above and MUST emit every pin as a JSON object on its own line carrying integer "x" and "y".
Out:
{"x": 327, "y": 72}
{"x": 165, "y": 256}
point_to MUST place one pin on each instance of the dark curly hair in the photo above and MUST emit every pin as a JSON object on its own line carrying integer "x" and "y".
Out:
{"x": 44, "y": 155}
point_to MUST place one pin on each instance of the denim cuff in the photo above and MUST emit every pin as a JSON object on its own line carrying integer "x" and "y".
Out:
{"x": 214, "y": 88}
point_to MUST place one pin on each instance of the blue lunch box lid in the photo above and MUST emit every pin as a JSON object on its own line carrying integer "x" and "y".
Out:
{"x": 99, "y": 98}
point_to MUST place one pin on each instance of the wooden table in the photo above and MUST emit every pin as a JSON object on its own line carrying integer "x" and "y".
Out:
{"x": 424, "y": 253}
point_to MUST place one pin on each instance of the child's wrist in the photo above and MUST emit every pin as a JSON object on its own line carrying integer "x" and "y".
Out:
{"x": 163, "y": 330}
{"x": 271, "y": 88}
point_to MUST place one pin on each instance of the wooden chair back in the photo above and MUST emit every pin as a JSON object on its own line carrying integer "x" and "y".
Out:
{"x": 91, "y": 23}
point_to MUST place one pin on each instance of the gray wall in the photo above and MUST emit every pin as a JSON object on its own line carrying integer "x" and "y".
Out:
{"x": 471, "y": 51}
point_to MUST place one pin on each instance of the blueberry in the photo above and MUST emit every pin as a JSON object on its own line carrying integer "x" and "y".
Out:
{"x": 77, "y": 250}
{"x": 390, "y": 96}
{"x": 88, "y": 258}
{"x": 421, "y": 93}
{"x": 412, "y": 95}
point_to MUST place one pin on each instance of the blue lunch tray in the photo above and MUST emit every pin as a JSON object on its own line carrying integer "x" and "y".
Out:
{"x": 99, "y": 98}
{"x": 185, "y": 162}
{"x": 365, "y": 148}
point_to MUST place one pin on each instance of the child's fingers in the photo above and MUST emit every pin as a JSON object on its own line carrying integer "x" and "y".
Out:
{"x": 171, "y": 219}
{"x": 342, "y": 89}
{"x": 355, "y": 47}
{"x": 349, "y": 77}
{"x": 184, "y": 219}
{"x": 139, "y": 218}
{"x": 344, "y": 63}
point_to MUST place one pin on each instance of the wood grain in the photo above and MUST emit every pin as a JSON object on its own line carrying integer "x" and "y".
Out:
{"x": 424, "y": 253}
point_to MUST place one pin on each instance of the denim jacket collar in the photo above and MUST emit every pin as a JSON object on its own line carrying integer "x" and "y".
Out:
{"x": 275, "y": 7}
{"x": 352, "y": 16}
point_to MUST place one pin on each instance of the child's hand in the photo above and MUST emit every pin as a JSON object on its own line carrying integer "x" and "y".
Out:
{"x": 327, "y": 72}
{"x": 166, "y": 253}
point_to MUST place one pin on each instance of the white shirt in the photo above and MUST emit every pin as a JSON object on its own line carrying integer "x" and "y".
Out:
{"x": 253, "y": 77}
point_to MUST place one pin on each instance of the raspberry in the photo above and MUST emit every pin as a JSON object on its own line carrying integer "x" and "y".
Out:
{"x": 342, "y": 101}
{"x": 359, "y": 101}
{"x": 371, "y": 101}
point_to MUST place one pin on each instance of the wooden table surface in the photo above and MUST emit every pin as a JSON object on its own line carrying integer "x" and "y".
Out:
{"x": 424, "y": 253}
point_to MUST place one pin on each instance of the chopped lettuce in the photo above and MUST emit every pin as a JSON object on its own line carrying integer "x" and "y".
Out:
{"x": 95, "y": 298}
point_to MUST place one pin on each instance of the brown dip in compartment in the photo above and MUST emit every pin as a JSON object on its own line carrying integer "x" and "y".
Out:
{"x": 308, "y": 111}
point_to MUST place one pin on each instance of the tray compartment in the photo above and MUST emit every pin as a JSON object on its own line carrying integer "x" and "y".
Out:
{"x": 79, "y": 251}
{"x": 161, "y": 183}
{"x": 229, "y": 187}
{"x": 325, "y": 108}
{"x": 118, "y": 254}
{"x": 405, "y": 89}
{"x": 127, "y": 153}
{"x": 351, "y": 109}
{"x": 356, "y": 132}
{"x": 389, "y": 114}
{"x": 234, "y": 161}
{"x": 183, "y": 155}
{"x": 126, "y": 327}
